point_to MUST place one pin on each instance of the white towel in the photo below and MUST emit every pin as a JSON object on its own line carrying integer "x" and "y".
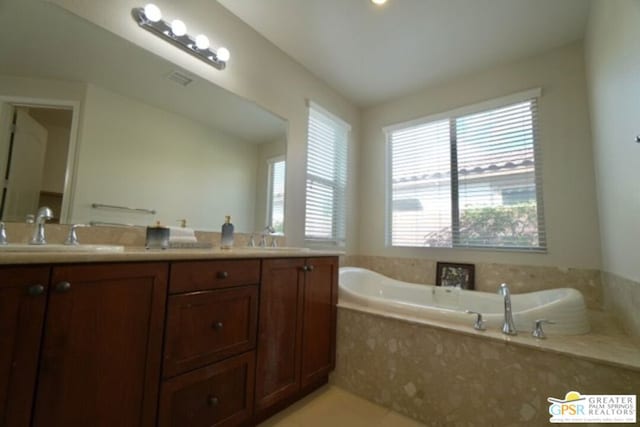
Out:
{"x": 182, "y": 234}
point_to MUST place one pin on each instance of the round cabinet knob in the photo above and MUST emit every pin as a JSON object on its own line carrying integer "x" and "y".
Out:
{"x": 35, "y": 290}
{"x": 212, "y": 401}
{"x": 63, "y": 287}
{"x": 310, "y": 268}
{"x": 223, "y": 275}
{"x": 217, "y": 326}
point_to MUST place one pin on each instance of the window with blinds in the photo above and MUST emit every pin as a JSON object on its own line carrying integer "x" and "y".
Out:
{"x": 470, "y": 178}
{"x": 275, "y": 209}
{"x": 326, "y": 178}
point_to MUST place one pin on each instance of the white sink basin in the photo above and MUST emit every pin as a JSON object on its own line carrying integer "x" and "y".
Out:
{"x": 19, "y": 247}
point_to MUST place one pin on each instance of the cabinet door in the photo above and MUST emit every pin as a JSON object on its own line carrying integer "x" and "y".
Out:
{"x": 101, "y": 353}
{"x": 280, "y": 329}
{"x": 22, "y": 304}
{"x": 319, "y": 325}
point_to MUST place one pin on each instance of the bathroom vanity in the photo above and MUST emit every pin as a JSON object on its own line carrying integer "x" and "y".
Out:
{"x": 168, "y": 338}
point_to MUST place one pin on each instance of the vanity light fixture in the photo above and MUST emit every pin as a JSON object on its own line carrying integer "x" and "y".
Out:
{"x": 150, "y": 18}
{"x": 378, "y": 2}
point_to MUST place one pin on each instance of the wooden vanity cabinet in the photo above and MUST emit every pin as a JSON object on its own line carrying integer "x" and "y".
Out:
{"x": 102, "y": 344}
{"x": 297, "y": 324}
{"x": 82, "y": 345}
{"x": 23, "y": 297}
{"x": 210, "y": 340}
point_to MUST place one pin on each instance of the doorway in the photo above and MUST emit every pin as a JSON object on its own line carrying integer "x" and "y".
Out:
{"x": 35, "y": 148}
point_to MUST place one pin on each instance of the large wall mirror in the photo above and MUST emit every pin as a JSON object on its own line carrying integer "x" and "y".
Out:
{"x": 91, "y": 124}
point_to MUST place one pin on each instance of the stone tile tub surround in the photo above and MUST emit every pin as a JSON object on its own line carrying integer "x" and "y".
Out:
{"x": 125, "y": 236}
{"x": 521, "y": 278}
{"x": 622, "y": 298}
{"x": 444, "y": 377}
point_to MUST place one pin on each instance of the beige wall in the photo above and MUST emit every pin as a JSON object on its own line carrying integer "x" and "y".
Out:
{"x": 613, "y": 67}
{"x": 41, "y": 88}
{"x": 132, "y": 154}
{"x": 568, "y": 183}
{"x": 58, "y": 133}
{"x": 258, "y": 71}
{"x": 55, "y": 166}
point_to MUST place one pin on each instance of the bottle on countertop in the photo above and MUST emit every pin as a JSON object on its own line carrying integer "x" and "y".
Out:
{"x": 157, "y": 237}
{"x": 227, "y": 233}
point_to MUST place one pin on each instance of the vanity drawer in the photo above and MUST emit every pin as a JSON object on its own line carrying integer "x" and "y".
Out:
{"x": 204, "y": 327}
{"x": 218, "y": 395}
{"x": 201, "y": 275}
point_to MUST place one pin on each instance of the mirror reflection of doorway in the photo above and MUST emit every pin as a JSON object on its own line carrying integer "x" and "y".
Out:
{"x": 34, "y": 145}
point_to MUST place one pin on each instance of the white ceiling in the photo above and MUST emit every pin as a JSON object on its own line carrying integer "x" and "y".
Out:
{"x": 41, "y": 40}
{"x": 371, "y": 54}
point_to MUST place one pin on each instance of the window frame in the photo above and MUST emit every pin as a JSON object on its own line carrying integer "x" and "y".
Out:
{"x": 451, "y": 116}
{"x": 338, "y": 225}
{"x": 270, "y": 172}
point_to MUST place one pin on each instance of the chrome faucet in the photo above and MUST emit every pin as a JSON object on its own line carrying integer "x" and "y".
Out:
{"x": 44, "y": 214}
{"x": 72, "y": 238}
{"x": 508, "y": 328}
{"x": 263, "y": 239}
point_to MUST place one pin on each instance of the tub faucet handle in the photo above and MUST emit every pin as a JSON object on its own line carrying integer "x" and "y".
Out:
{"x": 538, "y": 332}
{"x": 3, "y": 234}
{"x": 478, "y": 325}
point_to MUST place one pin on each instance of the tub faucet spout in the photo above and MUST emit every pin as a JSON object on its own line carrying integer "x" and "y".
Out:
{"x": 508, "y": 328}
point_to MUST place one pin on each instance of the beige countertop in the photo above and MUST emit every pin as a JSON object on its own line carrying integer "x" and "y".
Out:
{"x": 141, "y": 254}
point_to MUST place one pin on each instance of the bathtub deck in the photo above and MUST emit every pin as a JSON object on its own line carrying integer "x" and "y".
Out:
{"x": 452, "y": 375}
{"x": 606, "y": 343}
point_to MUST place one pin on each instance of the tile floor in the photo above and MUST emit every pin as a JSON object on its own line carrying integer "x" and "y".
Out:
{"x": 334, "y": 407}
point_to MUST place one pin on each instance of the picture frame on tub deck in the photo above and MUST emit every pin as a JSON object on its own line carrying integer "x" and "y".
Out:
{"x": 455, "y": 275}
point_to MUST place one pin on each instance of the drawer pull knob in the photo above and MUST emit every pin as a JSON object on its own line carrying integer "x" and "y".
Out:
{"x": 35, "y": 290}
{"x": 223, "y": 275}
{"x": 217, "y": 326}
{"x": 212, "y": 401}
{"x": 63, "y": 287}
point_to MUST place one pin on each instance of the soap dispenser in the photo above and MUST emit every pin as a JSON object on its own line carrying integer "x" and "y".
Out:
{"x": 227, "y": 233}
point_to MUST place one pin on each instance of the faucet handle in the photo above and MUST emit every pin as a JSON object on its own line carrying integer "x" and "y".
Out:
{"x": 538, "y": 332}
{"x": 72, "y": 238}
{"x": 478, "y": 325}
{"x": 252, "y": 241}
{"x": 3, "y": 234}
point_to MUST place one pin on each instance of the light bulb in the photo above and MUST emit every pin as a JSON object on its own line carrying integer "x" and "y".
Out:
{"x": 152, "y": 12}
{"x": 202, "y": 42}
{"x": 378, "y": 2}
{"x": 178, "y": 28}
{"x": 223, "y": 54}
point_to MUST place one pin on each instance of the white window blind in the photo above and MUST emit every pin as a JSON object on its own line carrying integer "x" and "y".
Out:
{"x": 326, "y": 178}
{"x": 275, "y": 211}
{"x": 468, "y": 180}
